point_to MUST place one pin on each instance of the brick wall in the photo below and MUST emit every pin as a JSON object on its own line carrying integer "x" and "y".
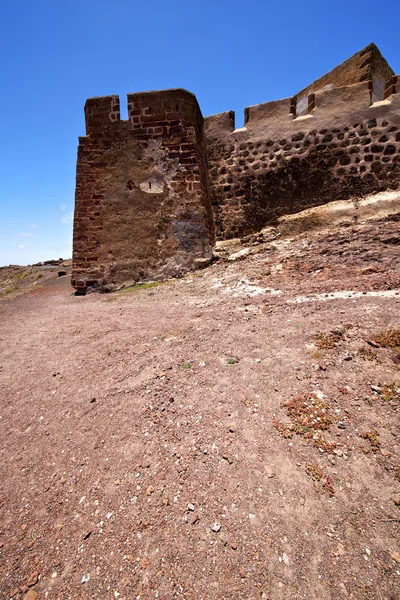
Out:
{"x": 153, "y": 191}
{"x": 142, "y": 205}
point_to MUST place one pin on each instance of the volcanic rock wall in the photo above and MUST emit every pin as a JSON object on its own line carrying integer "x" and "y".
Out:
{"x": 152, "y": 190}
{"x": 281, "y": 163}
{"x": 142, "y": 205}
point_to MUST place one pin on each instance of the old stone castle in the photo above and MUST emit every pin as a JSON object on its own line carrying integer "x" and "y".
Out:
{"x": 154, "y": 192}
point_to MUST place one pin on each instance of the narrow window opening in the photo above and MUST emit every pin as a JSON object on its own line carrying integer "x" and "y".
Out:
{"x": 149, "y": 185}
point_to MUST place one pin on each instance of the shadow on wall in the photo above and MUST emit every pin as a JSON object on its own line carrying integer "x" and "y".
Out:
{"x": 297, "y": 184}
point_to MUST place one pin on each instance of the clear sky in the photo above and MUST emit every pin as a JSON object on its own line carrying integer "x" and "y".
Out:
{"x": 231, "y": 54}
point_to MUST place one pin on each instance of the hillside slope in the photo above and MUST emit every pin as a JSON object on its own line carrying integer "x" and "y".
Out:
{"x": 230, "y": 435}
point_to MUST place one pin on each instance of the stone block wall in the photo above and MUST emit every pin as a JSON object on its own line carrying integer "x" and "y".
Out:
{"x": 280, "y": 163}
{"x": 366, "y": 65}
{"x": 142, "y": 206}
{"x": 153, "y": 192}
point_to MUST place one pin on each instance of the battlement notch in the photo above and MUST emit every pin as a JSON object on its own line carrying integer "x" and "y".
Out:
{"x": 101, "y": 112}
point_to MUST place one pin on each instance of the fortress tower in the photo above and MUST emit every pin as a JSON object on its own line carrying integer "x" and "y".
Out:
{"x": 152, "y": 192}
{"x": 142, "y": 207}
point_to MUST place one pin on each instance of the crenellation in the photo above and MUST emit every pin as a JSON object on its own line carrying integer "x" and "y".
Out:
{"x": 100, "y": 113}
{"x": 153, "y": 191}
{"x": 274, "y": 112}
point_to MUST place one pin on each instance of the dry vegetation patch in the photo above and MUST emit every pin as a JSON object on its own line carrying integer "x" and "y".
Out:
{"x": 368, "y": 354}
{"x": 386, "y": 339}
{"x": 310, "y": 416}
{"x": 329, "y": 341}
{"x": 391, "y": 392}
{"x": 322, "y": 483}
{"x": 373, "y": 439}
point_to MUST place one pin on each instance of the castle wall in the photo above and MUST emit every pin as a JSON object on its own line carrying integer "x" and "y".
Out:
{"x": 281, "y": 163}
{"x": 142, "y": 205}
{"x": 366, "y": 65}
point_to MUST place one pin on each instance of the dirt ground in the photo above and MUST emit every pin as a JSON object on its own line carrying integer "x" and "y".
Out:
{"x": 16, "y": 280}
{"x": 230, "y": 435}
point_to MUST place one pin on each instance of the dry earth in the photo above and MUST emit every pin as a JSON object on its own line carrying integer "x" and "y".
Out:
{"x": 16, "y": 280}
{"x": 230, "y": 435}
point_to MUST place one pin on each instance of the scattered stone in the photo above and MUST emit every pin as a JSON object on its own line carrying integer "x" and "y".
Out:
{"x": 285, "y": 559}
{"x": 145, "y": 562}
{"x": 216, "y": 527}
{"x": 190, "y": 506}
{"x": 150, "y": 490}
{"x": 238, "y": 255}
{"x": 200, "y": 263}
{"x": 341, "y": 425}
{"x": 340, "y": 550}
{"x": 234, "y": 545}
{"x": 33, "y": 579}
{"x": 228, "y": 458}
{"x": 31, "y": 595}
{"x": 385, "y": 452}
{"x": 372, "y": 343}
{"x": 269, "y": 472}
{"x": 395, "y": 556}
{"x": 85, "y": 578}
{"x": 376, "y": 389}
{"x": 194, "y": 519}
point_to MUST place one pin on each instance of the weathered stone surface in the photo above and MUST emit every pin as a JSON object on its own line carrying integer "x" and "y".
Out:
{"x": 151, "y": 190}
{"x": 142, "y": 206}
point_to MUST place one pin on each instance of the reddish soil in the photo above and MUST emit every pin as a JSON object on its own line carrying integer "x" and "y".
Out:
{"x": 148, "y": 451}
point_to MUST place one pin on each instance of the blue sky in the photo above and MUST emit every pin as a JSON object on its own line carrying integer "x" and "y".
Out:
{"x": 230, "y": 54}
